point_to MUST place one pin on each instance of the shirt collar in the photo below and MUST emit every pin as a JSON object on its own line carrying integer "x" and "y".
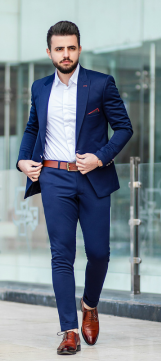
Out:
{"x": 72, "y": 79}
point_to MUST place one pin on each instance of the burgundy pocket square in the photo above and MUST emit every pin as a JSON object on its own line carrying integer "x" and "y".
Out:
{"x": 94, "y": 111}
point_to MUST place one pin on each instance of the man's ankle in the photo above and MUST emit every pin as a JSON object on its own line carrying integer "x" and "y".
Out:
{"x": 87, "y": 307}
{"x": 74, "y": 330}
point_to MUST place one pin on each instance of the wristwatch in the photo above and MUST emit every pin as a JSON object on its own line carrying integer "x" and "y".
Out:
{"x": 99, "y": 162}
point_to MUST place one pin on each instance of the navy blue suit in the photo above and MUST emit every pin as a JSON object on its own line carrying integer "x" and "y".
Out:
{"x": 91, "y": 130}
{"x": 69, "y": 196}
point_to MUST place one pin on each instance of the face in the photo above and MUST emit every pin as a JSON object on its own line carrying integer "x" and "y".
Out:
{"x": 64, "y": 52}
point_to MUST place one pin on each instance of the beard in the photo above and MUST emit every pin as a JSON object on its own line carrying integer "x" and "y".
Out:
{"x": 66, "y": 69}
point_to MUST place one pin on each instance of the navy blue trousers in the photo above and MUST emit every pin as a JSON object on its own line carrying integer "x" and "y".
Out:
{"x": 68, "y": 197}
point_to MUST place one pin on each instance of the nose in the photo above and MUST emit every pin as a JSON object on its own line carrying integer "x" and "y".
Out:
{"x": 66, "y": 53}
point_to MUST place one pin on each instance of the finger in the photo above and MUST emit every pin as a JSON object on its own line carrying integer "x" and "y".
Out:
{"x": 34, "y": 174}
{"x": 80, "y": 162}
{"x": 83, "y": 172}
{"x": 81, "y": 155}
{"x": 35, "y": 163}
{"x": 36, "y": 166}
{"x": 35, "y": 169}
{"x": 79, "y": 168}
{"x": 34, "y": 179}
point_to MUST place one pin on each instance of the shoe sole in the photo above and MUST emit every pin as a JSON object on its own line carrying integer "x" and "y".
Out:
{"x": 69, "y": 352}
{"x": 90, "y": 344}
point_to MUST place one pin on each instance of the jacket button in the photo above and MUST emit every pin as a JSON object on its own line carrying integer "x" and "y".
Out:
{"x": 41, "y": 156}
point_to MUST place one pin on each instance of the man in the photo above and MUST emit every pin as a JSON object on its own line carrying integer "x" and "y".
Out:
{"x": 66, "y": 155}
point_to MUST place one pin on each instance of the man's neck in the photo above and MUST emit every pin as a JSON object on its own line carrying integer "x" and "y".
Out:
{"x": 65, "y": 77}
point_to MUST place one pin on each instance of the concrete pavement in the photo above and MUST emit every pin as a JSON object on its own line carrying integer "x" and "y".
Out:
{"x": 28, "y": 333}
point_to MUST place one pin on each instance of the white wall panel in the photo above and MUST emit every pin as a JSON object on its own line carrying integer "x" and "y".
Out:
{"x": 36, "y": 18}
{"x": 9, "y": 11}
{"x": 152, "y": 19}
{"x": 103, "y": 24}
{"x": 107, "y": 23}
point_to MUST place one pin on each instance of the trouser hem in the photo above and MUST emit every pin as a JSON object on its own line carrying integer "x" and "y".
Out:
{"x": 90, "y": 303}
{"x": 69, "y": 326}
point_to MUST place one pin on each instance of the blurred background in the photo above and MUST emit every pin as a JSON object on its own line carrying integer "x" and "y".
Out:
{"x": 121, "y": 38}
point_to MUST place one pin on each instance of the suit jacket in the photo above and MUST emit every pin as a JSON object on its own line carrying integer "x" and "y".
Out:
{"x": 95, "y": 91}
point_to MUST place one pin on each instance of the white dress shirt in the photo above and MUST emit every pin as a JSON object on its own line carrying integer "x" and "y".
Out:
{"x": 61, "y": 120}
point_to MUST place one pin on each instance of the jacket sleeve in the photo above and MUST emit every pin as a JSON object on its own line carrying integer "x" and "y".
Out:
{"x": 30, "y": 133}
{"x": 117, "y": 116}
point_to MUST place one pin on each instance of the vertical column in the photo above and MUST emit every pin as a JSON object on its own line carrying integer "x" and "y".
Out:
{"x": 19, "y": 105}
{"x": 152, "y": 114}
{"x": 30, "y": 81}
{"x": 141, "y": 142}
{"x": 134, "y": 222}
{"x": 131, "y": 221}
{"x": 151, "y": 139}
{"x": 7, "y": 100}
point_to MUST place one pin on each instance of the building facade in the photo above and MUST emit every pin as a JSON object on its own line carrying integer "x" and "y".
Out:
{"x": 122, "y": 38}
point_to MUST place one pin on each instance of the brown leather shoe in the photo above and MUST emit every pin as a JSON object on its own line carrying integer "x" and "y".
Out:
{"x": 70, "y": 344}
{"x": 90, "y": 324}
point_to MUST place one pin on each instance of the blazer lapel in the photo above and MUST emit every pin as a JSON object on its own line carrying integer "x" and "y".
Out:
{"x": 43, "y": 106}
{"x": 83, "y": 86}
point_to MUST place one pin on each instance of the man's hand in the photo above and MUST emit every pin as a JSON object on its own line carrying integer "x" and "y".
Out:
{"x": 86, "y": 162}
{"x": 27, "y": 167}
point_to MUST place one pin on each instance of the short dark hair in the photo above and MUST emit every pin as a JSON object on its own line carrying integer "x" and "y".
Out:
{"x": 63, "y": 28}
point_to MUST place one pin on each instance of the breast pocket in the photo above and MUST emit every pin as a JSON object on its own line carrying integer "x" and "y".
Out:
{"x": 93, "y": 114}
{"x": 93, "y": 120}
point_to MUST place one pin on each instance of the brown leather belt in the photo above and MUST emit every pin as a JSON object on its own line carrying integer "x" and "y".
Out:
{"x": 62, "y": 165}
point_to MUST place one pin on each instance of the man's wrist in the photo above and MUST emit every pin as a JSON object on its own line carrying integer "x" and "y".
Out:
{"x": 99, "y": 162}
{"x": 19, "y": 163}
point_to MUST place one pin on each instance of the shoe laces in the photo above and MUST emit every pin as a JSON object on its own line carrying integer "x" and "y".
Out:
{"x": 66, "y": 334}
{"x": 92, "y": 316}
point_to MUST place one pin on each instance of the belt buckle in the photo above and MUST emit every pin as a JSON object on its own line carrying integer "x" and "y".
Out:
{"x": 68, "y": 167}
{"x": 69, "y": 170}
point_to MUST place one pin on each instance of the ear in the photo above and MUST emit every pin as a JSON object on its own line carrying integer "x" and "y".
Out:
{"x": 80, "y": 49}
{"x": 48, "y": 52}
